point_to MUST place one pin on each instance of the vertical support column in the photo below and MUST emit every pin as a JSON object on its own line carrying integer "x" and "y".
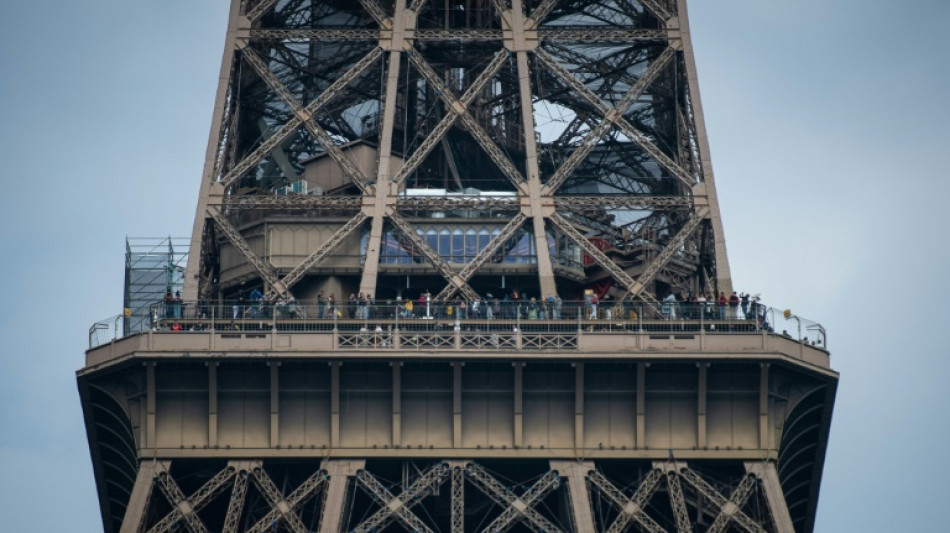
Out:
{"x": 149, "y": 405}
{"x": 519, "y": 416}
{"x": 138, "y": 501}
{"x": 340, "y": 472}
{"x": 545, "y": 269}
{"x": 458, "y": 496}
{"x": 213, "y": 404}
{"x": 274, "y": 403}
{"x": 576, "y": 474}
{"x": 578, "y": 405}
{"x": 764, "y": 407}
{"x": 397, "y": 403}
{"x": 641, "y": 439}
{"x": 773, "y": 494}
{"x": 519, "y": 44}
{"x": 701, "y": 432}
{"x": 403, "y": 24}
{"x": 209, "y": 187}
{"x": 457, "y": 404}
{"x": 707, "y": 189}
{"x": 335, "y": 404}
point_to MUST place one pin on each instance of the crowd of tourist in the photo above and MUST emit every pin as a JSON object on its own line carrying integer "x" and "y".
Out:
{"x": 513, "y": 305}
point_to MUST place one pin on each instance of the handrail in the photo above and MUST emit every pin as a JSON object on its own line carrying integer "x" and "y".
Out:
{"x": 496, "y": 315}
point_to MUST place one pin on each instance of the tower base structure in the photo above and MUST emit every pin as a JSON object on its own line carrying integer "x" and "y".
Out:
{"x": 474, "y": 428}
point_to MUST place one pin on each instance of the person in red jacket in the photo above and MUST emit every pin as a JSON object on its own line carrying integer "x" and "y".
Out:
{"x": 722, "y": 305}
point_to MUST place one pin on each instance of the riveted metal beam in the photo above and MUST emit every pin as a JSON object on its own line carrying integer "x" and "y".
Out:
{"x": 297, "y": 120}
{"x": 264, "y": 269}
{"x": 633, "y": 508}
{"x": 617, "y": 119}
{"x": 322, "y": 137}
{"x": 432, "y": 257}
{"x": 455, "y": 107}
{"x": 399, "y": 507}
{"x": 483, "y": 256}
{"x": 515, "y": 508}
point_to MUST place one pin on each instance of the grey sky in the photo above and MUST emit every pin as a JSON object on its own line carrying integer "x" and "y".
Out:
{"x": 828, "y": 130}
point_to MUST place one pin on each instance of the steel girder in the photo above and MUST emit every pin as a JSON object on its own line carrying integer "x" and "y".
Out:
{"x": 399, "y": 507}
{"x": 235, "y": 476}
{"x": 263, "y": 268}
{"x": 284, "y": 509}
{"x": 685, "y": 489}
{"x": 631, "y": 509}
{"x": 516, "y": 508}
{"x": 466, "y": 273}
{"x": 298, "y": 119}
{"x": 320, "y": 134}
{"x": 521, "y": 34}
{"x": 434, "y": 259}
{"x": 730, "y": 510}
{"x": 671, "y": 477}
{"x": 460, "y": 203}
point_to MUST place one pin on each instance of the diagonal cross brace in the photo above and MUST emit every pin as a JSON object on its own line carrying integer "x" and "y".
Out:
{"x": 711, "y": 494}
{"x": 318, "y": 132}
{"x": 263, "y": 268}
{"x": 376, "y": 11}
{"x": 255, "y": 13}
{"x": 297, "y": 120}
{"x": 466, "y": 273}
{"x": 631, "y": 509}
{"x": 186, "y": 508}
{"x": 731, "y": 511}
{"x": 517, "y": 509}
{"x": 540, "y": 13}
{"x": 452, "y": 111}
{"x": 592, "y": 139}
{"x": 398, "y": 507}
{"x": 504, "y": 497}
{"x": 461, "y": 109}
{"x": 322, "y": 251}
{"x": 678, "y": 502}
{"x": 605, "y": 262}
{"x": 284, "y": 509}
{"x": 658, "y": 8}
{"x": 619, "y": 121}
{"x": 667, "y": 253}
{"x": 434, "y": 259}
{"x": 235, "y": 504}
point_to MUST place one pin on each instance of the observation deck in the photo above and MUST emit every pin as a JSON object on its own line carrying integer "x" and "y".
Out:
{"x": 638, "y": 385}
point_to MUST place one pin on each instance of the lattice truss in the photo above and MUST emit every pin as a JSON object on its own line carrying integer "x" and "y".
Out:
{"x": 447, "y": 496}
{"x": 240, "y": 497}
{"x": 674, "y": 498}
{"x": 612, "y": 163}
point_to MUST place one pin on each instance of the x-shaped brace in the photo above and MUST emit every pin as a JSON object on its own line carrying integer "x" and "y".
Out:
{"x": 631, "y": 509}
{"x": 515, "y": 508}
{"x": 730, "y": 510}
{"x": 285, "y": 509}
{"x": 187, "y": 508}
{"x": 399, "y": 507}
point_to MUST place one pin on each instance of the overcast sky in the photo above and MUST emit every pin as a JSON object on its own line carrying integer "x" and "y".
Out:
{"x": 828, "y": 131}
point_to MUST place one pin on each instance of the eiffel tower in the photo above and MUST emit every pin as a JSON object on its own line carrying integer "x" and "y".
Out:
{"x": 457, "y": 265}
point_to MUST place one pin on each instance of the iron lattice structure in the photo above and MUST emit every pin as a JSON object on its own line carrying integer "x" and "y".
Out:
{"x": 577, "y": 124}
{"x": 398, "y": 148}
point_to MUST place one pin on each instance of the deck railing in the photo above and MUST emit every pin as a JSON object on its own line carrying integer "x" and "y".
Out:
{"x": 487, "y": 324}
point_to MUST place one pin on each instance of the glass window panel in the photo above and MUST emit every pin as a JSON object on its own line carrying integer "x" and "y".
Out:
{"x": 471, "y": 244}
{"x": 445, "y": 243}
{"x": 458, "y": 245}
